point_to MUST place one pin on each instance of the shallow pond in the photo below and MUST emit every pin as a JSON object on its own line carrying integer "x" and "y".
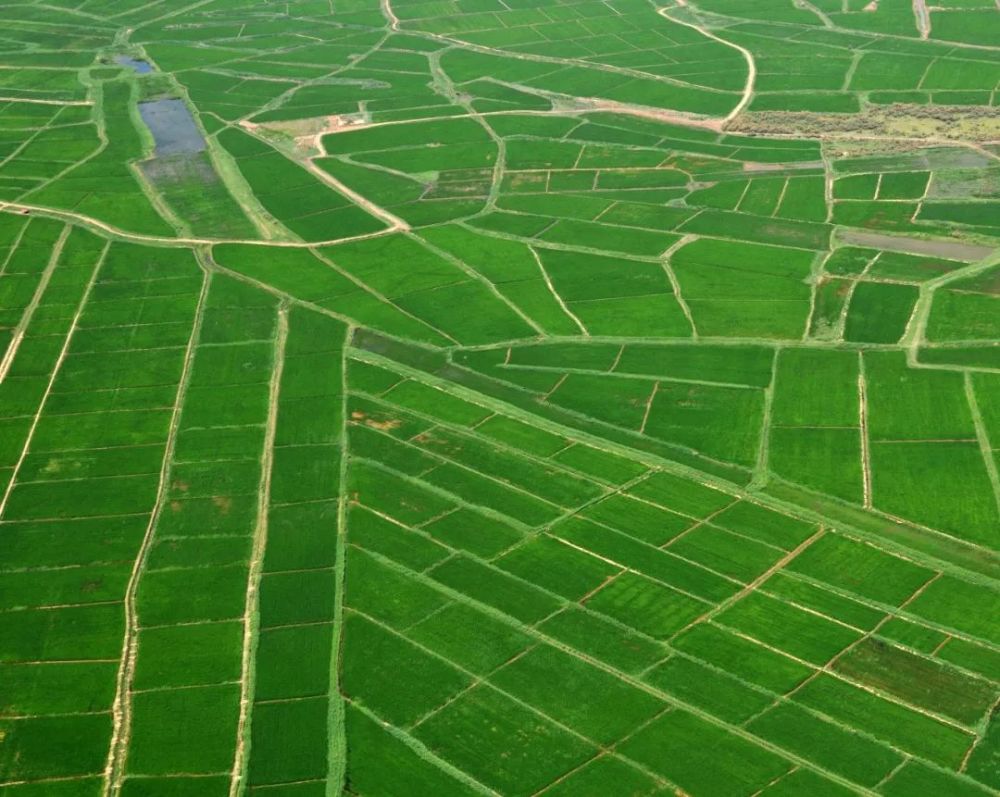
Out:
{"x": 135, "y": 64}
{"x": 172, "y": 126}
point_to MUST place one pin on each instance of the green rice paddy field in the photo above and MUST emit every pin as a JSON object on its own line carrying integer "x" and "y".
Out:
{"x": 425, "y": 398}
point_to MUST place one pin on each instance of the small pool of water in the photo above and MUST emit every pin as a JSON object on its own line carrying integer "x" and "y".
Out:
{"x": 135, "y": 64}
{"x": 173, "y": 128}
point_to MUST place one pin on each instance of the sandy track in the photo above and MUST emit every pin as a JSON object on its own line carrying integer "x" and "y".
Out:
{"x": 747, "y": 56}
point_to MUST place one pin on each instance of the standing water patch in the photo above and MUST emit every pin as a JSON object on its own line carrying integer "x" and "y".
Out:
{"x": 172, "y": 126}
{"x": 135, "y": 64}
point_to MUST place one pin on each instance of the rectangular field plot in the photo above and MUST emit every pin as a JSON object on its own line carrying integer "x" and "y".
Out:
{"x": 861, "y": 568}
{"x": 945, "y": 691}
{"x": 716, "y": 693}
{"x": 501, "y": 743}
{"x": 879, "y": 312}
{"x": 770, "y": 300}
{"x": 906, "y": 728}
{"x": 379, "y": 761}
{"x": 788, "y": 628}
{"x": 584, "y": 698}
{"x": 828, "y": 460}
{"x": 857, "y": 758}
{"x": 901, "y": 472}
{"x": 677, "y": 746}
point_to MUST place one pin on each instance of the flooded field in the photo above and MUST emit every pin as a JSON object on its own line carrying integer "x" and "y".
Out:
{"x": 135, "y": 64}
{"x": 955, "y": 250}
{"x": 172, "y": 126}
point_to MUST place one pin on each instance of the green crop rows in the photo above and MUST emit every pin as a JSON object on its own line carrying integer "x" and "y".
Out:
{"x": 499, "y": 397}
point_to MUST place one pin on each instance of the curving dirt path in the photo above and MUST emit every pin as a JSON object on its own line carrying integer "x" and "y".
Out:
{"x": 393, "y": 20}
{"x": 923, "y": 18}
{"x": 395, "y": 224}
{"x": 747, "y": 56}
{"x": 164, "y": 240}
